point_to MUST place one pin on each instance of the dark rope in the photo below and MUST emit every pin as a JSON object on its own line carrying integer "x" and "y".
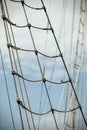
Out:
{"x": 44, "y": 79}
{"x": 36, "y": 51}
{"x": 51, "y": 110}
{"x": 23, "y": 2}
{"x": 14, "y": 73}
{"x": 64, "y": 63}
{"x": 23, "y": 26}
{"x": 39, "y": 65}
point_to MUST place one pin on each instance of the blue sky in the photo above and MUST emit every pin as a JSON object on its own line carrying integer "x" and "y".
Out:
{"x": 61, "y": 19}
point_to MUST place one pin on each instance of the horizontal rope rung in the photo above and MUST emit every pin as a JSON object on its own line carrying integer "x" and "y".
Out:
{"x": 36, "y": 51}
{"x": 23, "y": 3}
{"x": 51, "y": 110}
{"x": 43, "y": 79}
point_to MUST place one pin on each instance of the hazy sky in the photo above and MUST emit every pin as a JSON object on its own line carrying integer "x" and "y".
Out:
{"x": 61, "y": 16}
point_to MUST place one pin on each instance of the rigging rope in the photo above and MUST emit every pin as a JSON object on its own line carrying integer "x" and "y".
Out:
{"x": 51, "y": 110}
{"x": 23, "y": 26}
{"x": 23, "y": 2}
{"x": 76, "y": 73}
{"x": 71, "y": 42}
{"x": 15, "y": 85}
{"x": 36, "y": 53}
{"x": 6, "y": 31}
{"x": 18, "y": 80}
{"x": 44, "y": 66}
{"x": 43, "y": 79}
{"x": 64, "y": 64}
{"x": 21, "y": 74}
{"x": 39, "y": 66}
{"x": 70, "y": 54}
{"x": 8, "y": 35}
{"x": 81, "y": 56}
{"x": 10, "y": 106}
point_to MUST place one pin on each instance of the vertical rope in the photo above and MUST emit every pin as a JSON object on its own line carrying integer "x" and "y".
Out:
{"x": 40, "y": 66}
{"x": 64, "y": 64}
{"x": 22, "y": 79}
{"x": 71, "y": 42}
{"x": 12, "y": 117}
{"x": 76, "y": 74}
{"x": 6, "y": 32}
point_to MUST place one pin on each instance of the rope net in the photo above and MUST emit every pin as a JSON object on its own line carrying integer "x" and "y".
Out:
{"x": 37, "y": 68}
